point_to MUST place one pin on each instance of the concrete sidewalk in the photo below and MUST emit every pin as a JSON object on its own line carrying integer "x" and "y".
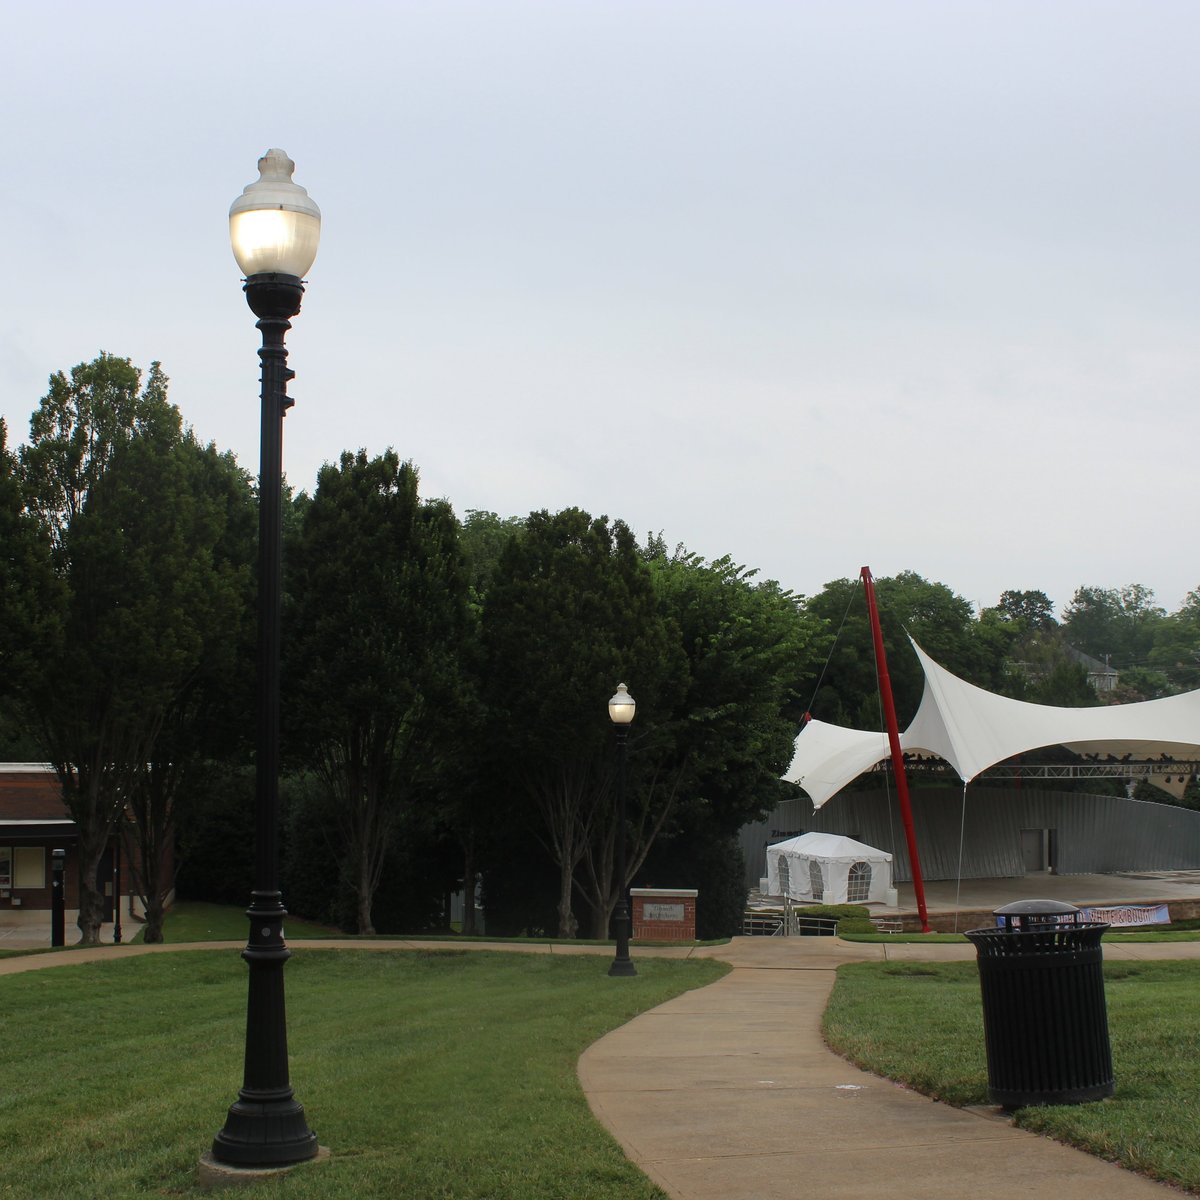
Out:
{"x": 729, "y": 1092}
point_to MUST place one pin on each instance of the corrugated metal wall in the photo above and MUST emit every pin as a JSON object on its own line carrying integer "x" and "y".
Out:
{"x": 1089, "y": 833}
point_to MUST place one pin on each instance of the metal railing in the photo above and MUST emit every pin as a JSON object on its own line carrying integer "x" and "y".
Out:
{"x": 786, "y": 922}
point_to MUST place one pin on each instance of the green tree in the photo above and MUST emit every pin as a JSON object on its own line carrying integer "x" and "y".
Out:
{"x": 1137, "y": 684}
{"x": 1176, "y": 649}
{"x": 750, "y": 647}
{"x": 1062, "y": 682}
{"x": 717, "y": 758}
{"x": 30, "y": 601}
{"x": 1034, "y": 610}
{"x": 80, "y": 424}
{"x": 468, "y": 810}
{"x": 570, "y": 613}
{"x": 109, "y": 479}
{"x": 375, "y": 634}
{"x": 483, "y": 536}
{"x": 1041, "y": 667}
{"x": 1114, "y": 625}
{"x": 204, "y": 532}
{"x": 847, "y": 691}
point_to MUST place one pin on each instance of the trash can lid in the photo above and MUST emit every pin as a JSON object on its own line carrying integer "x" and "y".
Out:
{"x": 1034, "y": 906}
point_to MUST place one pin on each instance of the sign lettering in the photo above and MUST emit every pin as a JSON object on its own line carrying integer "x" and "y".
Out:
{"x": 663, "y": 912}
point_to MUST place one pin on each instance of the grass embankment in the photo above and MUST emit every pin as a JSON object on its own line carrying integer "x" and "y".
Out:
{"x": 897, "y": 939}
{"x": 197, "y": 921}
{"x": 1177, "y": 931}
{"x": 921, "y": 1024}
{"x": 427, "y": 1074}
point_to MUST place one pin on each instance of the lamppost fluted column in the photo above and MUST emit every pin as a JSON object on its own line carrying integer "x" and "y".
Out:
{"x": 266, "y": 1126}
{"x": 272, "y": 223}
{"x": 620, "y": 710}
{"x": 274, "y": 299}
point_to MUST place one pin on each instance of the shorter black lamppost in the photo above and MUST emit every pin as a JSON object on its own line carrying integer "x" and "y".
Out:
{"x": 620, "y": 711}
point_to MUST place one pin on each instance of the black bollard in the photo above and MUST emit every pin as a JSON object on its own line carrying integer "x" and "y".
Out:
{"x": 117, "y": 893}
{"x": 58, "y": 907}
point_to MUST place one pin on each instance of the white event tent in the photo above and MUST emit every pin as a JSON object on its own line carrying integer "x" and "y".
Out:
{"x": 973, "y": 729}
{"x": 829, "y": 868}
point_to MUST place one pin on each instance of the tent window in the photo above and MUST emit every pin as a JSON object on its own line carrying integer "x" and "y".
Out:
{"x": 858, "y": 883}
{"x": 785, "y": 882}
{"x": 816, "y": 878}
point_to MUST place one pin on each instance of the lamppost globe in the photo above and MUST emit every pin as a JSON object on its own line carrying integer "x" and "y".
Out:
{"x": 622, "y": 706}
{"x": 620, "y": 711}
{"x": 274, "y": 225}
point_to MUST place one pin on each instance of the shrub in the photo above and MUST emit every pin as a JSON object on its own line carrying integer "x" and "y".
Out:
{"x": 833, "y": 911}
{"x": 855, "y": 925}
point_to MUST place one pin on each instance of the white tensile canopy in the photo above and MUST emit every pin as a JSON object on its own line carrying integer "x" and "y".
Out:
{"x": 973, "y": 729}
{"x": 829, "y": 868}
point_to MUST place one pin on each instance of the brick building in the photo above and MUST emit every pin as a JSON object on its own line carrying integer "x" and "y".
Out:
{"x": 33, "y": 823}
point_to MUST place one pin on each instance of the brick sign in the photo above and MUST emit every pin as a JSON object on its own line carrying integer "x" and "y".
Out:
{"x": 664, "y": 914}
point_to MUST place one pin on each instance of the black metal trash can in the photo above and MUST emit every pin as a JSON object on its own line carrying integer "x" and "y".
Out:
{"x": 1044, "y": 1016}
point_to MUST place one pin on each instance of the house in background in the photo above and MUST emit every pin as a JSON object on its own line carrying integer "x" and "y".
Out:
{"x": 1101, "y": 675}
{"x": 33, "y": 823}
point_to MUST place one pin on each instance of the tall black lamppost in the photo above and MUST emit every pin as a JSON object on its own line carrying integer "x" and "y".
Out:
{"x": 620, "y": 711}
{"x": 275, "y": 228}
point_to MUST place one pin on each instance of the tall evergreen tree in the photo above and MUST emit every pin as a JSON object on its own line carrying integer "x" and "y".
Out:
{"x": 714, "y": 760}
{"x": 373, "y": 639}
{"x": 204, "y": 534}
{"x": 110, "y": 479}
{"x": 30, "y": 599}
{"x": 571, "y": 612}
{"x": 81, "y": 422}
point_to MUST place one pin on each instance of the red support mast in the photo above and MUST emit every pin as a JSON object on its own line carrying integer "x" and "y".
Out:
{"x": 893, "y": 731}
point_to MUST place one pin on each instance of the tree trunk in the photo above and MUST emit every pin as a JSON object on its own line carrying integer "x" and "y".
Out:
{"x": 567, "y": 924}
{"x": 601, "y": 917}
{"x": 155, "y": 914}
{"x": 91, "y": 902}
{"x": 146, "y": 842}
{"x": 364, "y": 892}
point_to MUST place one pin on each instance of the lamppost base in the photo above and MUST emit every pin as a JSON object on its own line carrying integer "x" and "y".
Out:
{"x": 622, "y": 967}
{"x": 213, "y": 1174}
{"x": 265, "y": 1134}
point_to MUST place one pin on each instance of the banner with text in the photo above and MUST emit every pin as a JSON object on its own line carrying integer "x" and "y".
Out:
{"x": 1128, "y": 914}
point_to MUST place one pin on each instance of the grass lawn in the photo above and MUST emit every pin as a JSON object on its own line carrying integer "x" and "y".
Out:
{"x": 1183, "y": 932}
{"x": 197, "y": 921}
{"x": 434, "y": 1075}
{"x": 896, "y": 939}
{"x": 1175, "y": 933}
{"x": 921, "y": 1024}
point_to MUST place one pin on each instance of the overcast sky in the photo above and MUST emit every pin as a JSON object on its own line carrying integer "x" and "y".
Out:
{"x": 904, "y": 283}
